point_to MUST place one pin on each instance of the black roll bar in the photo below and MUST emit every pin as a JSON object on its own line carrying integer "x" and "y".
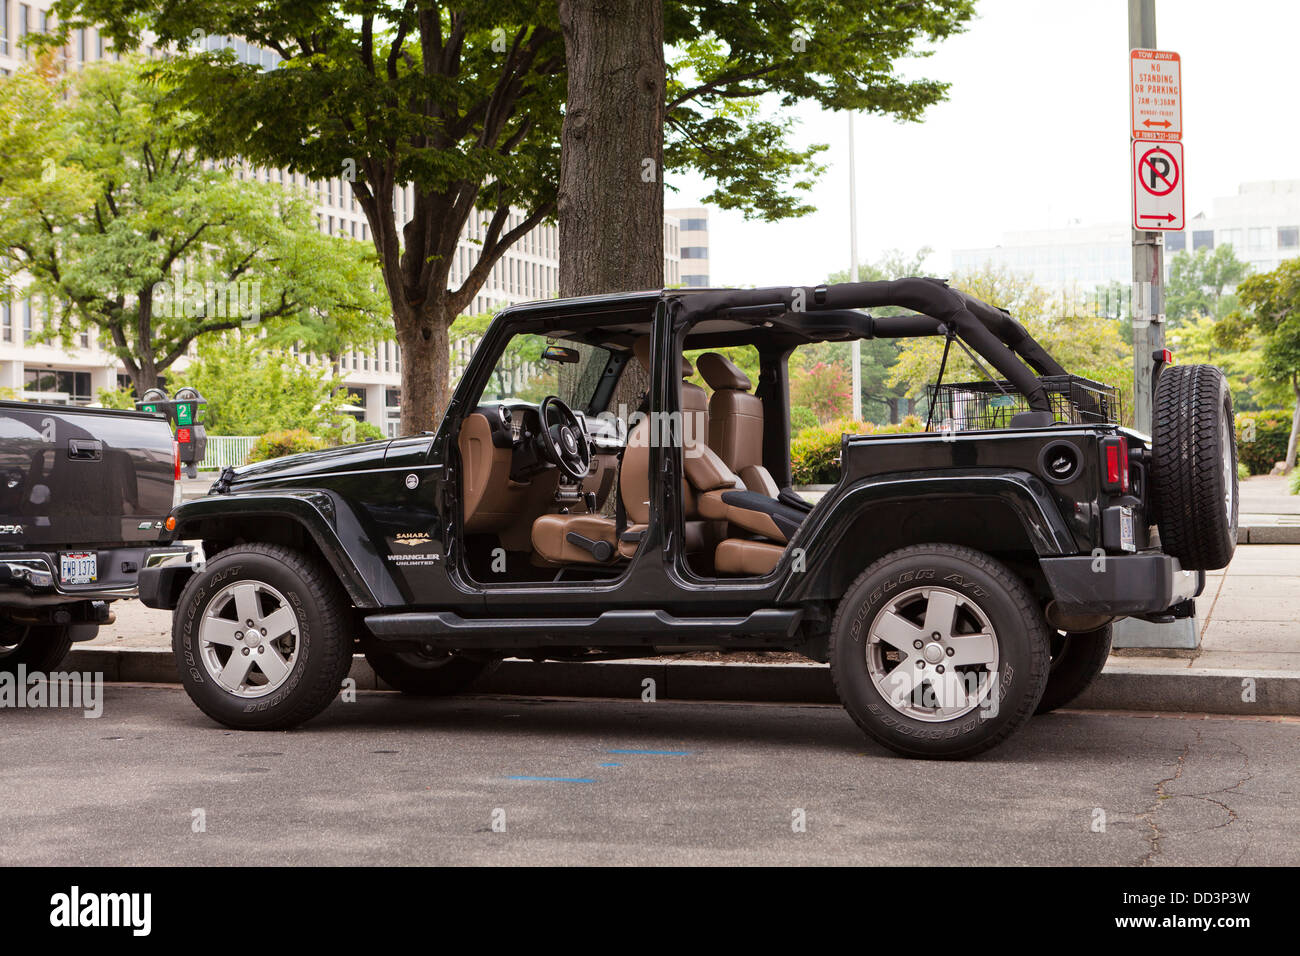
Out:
{"x": 991, "y": 332}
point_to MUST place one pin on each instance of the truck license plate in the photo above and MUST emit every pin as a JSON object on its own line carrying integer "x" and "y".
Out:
{"x": 1126, "y": 542}
{"x": 78, "y": 567}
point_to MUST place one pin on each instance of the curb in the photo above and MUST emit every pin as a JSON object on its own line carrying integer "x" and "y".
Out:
{"x": 1121, "y": 686}
{"x": 1269, "y": 534}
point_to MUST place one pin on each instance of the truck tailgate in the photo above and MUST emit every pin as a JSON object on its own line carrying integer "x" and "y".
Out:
{"x": 90, "y": 476}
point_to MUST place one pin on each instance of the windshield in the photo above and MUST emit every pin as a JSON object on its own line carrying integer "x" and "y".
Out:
{"x": 521, "y": 374}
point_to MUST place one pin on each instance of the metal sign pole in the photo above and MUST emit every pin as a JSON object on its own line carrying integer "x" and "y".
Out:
{"x": 855, "y": 350}
{"x": 1148, "y": 257}
{"x": 1181, "y": 634}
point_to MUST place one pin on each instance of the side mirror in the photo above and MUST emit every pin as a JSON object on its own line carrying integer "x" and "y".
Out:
{"x": 559, "y": 353}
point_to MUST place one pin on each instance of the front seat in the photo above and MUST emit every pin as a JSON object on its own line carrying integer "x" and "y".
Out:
{"x": 736, "y": 434}
{"x": 736, "y": 422}
{"x": 550, "y": 533}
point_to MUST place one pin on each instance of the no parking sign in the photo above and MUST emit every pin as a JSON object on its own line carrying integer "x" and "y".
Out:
{"x": 1158, "y": 185}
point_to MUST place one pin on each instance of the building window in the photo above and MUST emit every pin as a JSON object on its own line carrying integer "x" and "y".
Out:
{"x": 6, "y": 322}
{"x": 695, "y": 225}
{"x": 1203, "y": 239}
{"x": 76, "y": 385}
{"x": 695, "y": 252}
{"x": 4, "y": 28}
{"x": 1258, "y": 237}
{"x": 24, "y": 24}
{"x": 1288, "y": 237}
{"x": 696, "y": 282}
{"x": 1175, "y": 241}
{"x": 27, "y": 319}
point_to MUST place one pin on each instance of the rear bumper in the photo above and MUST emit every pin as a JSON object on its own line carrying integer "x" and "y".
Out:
{"x": 31, "y": 578}
{"x": 1120, "y": 585}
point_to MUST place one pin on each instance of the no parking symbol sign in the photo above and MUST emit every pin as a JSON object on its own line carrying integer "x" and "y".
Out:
{"x": 1158, "y": 185}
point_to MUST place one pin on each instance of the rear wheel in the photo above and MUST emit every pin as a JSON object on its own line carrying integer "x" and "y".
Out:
{"x": 939, "y": 651}
{"x": 39, "y": 647}
{"x": 1077, "y": 659}
{"x": 426, "y": 675}
{"x": 1194, "y": 466}
{"x": 260, "y": 638}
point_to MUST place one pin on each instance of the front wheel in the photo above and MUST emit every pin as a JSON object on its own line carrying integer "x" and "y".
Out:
{"x": 939, "y": 651}
{"x": 260, "y": 638}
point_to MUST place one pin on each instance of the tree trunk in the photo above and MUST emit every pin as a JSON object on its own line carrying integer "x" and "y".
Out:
{"x": 426, "y": 364}
{"x": 611, "y": 199}
{"x": 1295, "y": 428}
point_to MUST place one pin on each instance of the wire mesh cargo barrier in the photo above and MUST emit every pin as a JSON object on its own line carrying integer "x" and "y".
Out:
{"x": 983, "y": 405}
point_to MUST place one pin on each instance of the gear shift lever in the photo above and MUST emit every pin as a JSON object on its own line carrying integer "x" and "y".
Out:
{"x": 590, "y": 498}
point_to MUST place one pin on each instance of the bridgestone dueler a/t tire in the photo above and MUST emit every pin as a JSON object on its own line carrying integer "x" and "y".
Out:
{"x": 325, "y": 644}
{"x": 1077, "y": 659}
{"x": 1194, "y": 466}
{"x": 1022, "y": 640}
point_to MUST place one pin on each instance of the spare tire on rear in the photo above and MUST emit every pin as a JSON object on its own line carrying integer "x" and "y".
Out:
{"x": 1194, "y": 466}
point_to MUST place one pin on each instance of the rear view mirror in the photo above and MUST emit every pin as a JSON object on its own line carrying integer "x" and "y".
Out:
{"x": 558, "y": 353}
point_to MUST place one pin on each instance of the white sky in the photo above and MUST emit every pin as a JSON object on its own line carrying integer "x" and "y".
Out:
{"x": 1033, "y": 135}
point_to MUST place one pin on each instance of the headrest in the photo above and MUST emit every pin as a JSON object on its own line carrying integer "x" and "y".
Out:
{"x": 641, "y": 351}
{"x": 720, "y": 372}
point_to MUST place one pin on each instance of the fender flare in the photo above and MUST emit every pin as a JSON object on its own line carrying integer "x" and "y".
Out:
{"x": 821, "y": 534}
{"x": 324, "y": 519}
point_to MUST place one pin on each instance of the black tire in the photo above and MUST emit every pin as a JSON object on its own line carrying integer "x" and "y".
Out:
{"x": 983, "y": 585}
{"x": 422, "y": 675}
{"x": 321, "y": 641}
{"x": 1077, "y": 659}
{"x": 39, "y": 647}
{"x": 1194, "y": 466}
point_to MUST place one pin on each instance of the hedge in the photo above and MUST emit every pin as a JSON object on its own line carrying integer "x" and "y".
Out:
{"x": 288, "y": 442}
{"x": 814, "y": 451}
{"x": 1272, "y": 432}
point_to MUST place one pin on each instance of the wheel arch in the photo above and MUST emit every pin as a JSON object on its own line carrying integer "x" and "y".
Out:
{"x": 1004, "y": 516}
{"x": 306, "y": 523}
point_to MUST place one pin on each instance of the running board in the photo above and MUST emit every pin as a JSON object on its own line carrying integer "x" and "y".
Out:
{"x": 445, "y": 629}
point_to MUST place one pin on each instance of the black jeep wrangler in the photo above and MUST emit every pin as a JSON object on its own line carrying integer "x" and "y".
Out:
{"x": 583, "y": 499}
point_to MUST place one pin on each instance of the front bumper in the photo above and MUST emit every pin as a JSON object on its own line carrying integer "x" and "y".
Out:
{"x": 1120, "y": 585}
{"x": 31, "y": 579}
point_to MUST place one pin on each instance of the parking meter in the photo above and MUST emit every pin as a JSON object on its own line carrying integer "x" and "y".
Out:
{"x": 185, "y": 413}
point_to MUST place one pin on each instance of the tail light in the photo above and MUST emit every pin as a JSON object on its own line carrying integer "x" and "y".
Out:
{"x": 176, "y": 460}
{"x": 1116, "y": 463}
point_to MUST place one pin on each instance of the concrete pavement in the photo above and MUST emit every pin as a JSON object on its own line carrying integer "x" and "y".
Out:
{"x": 1269, "y": 513}
{"x": 394, "y": 780}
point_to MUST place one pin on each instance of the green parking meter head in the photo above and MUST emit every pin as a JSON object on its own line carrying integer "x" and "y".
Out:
{"x": 189, "y": 406}
{"x": 154, "y": 400}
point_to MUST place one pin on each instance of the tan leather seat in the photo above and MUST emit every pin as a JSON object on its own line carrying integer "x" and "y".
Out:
{"x": 550, "y": 531}
{"x": 695, "y": 400}
{"x": 742, "y": 556}
{"x": 736, "y": 422}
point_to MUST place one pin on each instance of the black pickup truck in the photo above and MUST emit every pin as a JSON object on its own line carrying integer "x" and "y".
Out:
{"x": 84, "y": 497}
{"x": 957, "y": 580}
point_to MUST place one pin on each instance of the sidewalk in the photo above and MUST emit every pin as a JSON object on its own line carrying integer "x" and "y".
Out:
{"x": 1268, "y": 513}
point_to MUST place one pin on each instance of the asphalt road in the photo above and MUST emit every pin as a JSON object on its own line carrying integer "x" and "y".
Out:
{"x": 388, "y": 779}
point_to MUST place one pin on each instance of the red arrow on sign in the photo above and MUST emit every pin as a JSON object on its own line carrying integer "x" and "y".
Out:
{"x": 1150, "y": 123}
{"x": 1168, "y": 217}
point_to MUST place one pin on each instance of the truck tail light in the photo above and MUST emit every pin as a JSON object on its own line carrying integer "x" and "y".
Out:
{"x": 1116, "y": 451}
{"x": 176, "y": 460}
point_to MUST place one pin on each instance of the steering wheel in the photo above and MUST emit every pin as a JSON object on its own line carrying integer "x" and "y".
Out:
{"x": 564, "y": 440}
